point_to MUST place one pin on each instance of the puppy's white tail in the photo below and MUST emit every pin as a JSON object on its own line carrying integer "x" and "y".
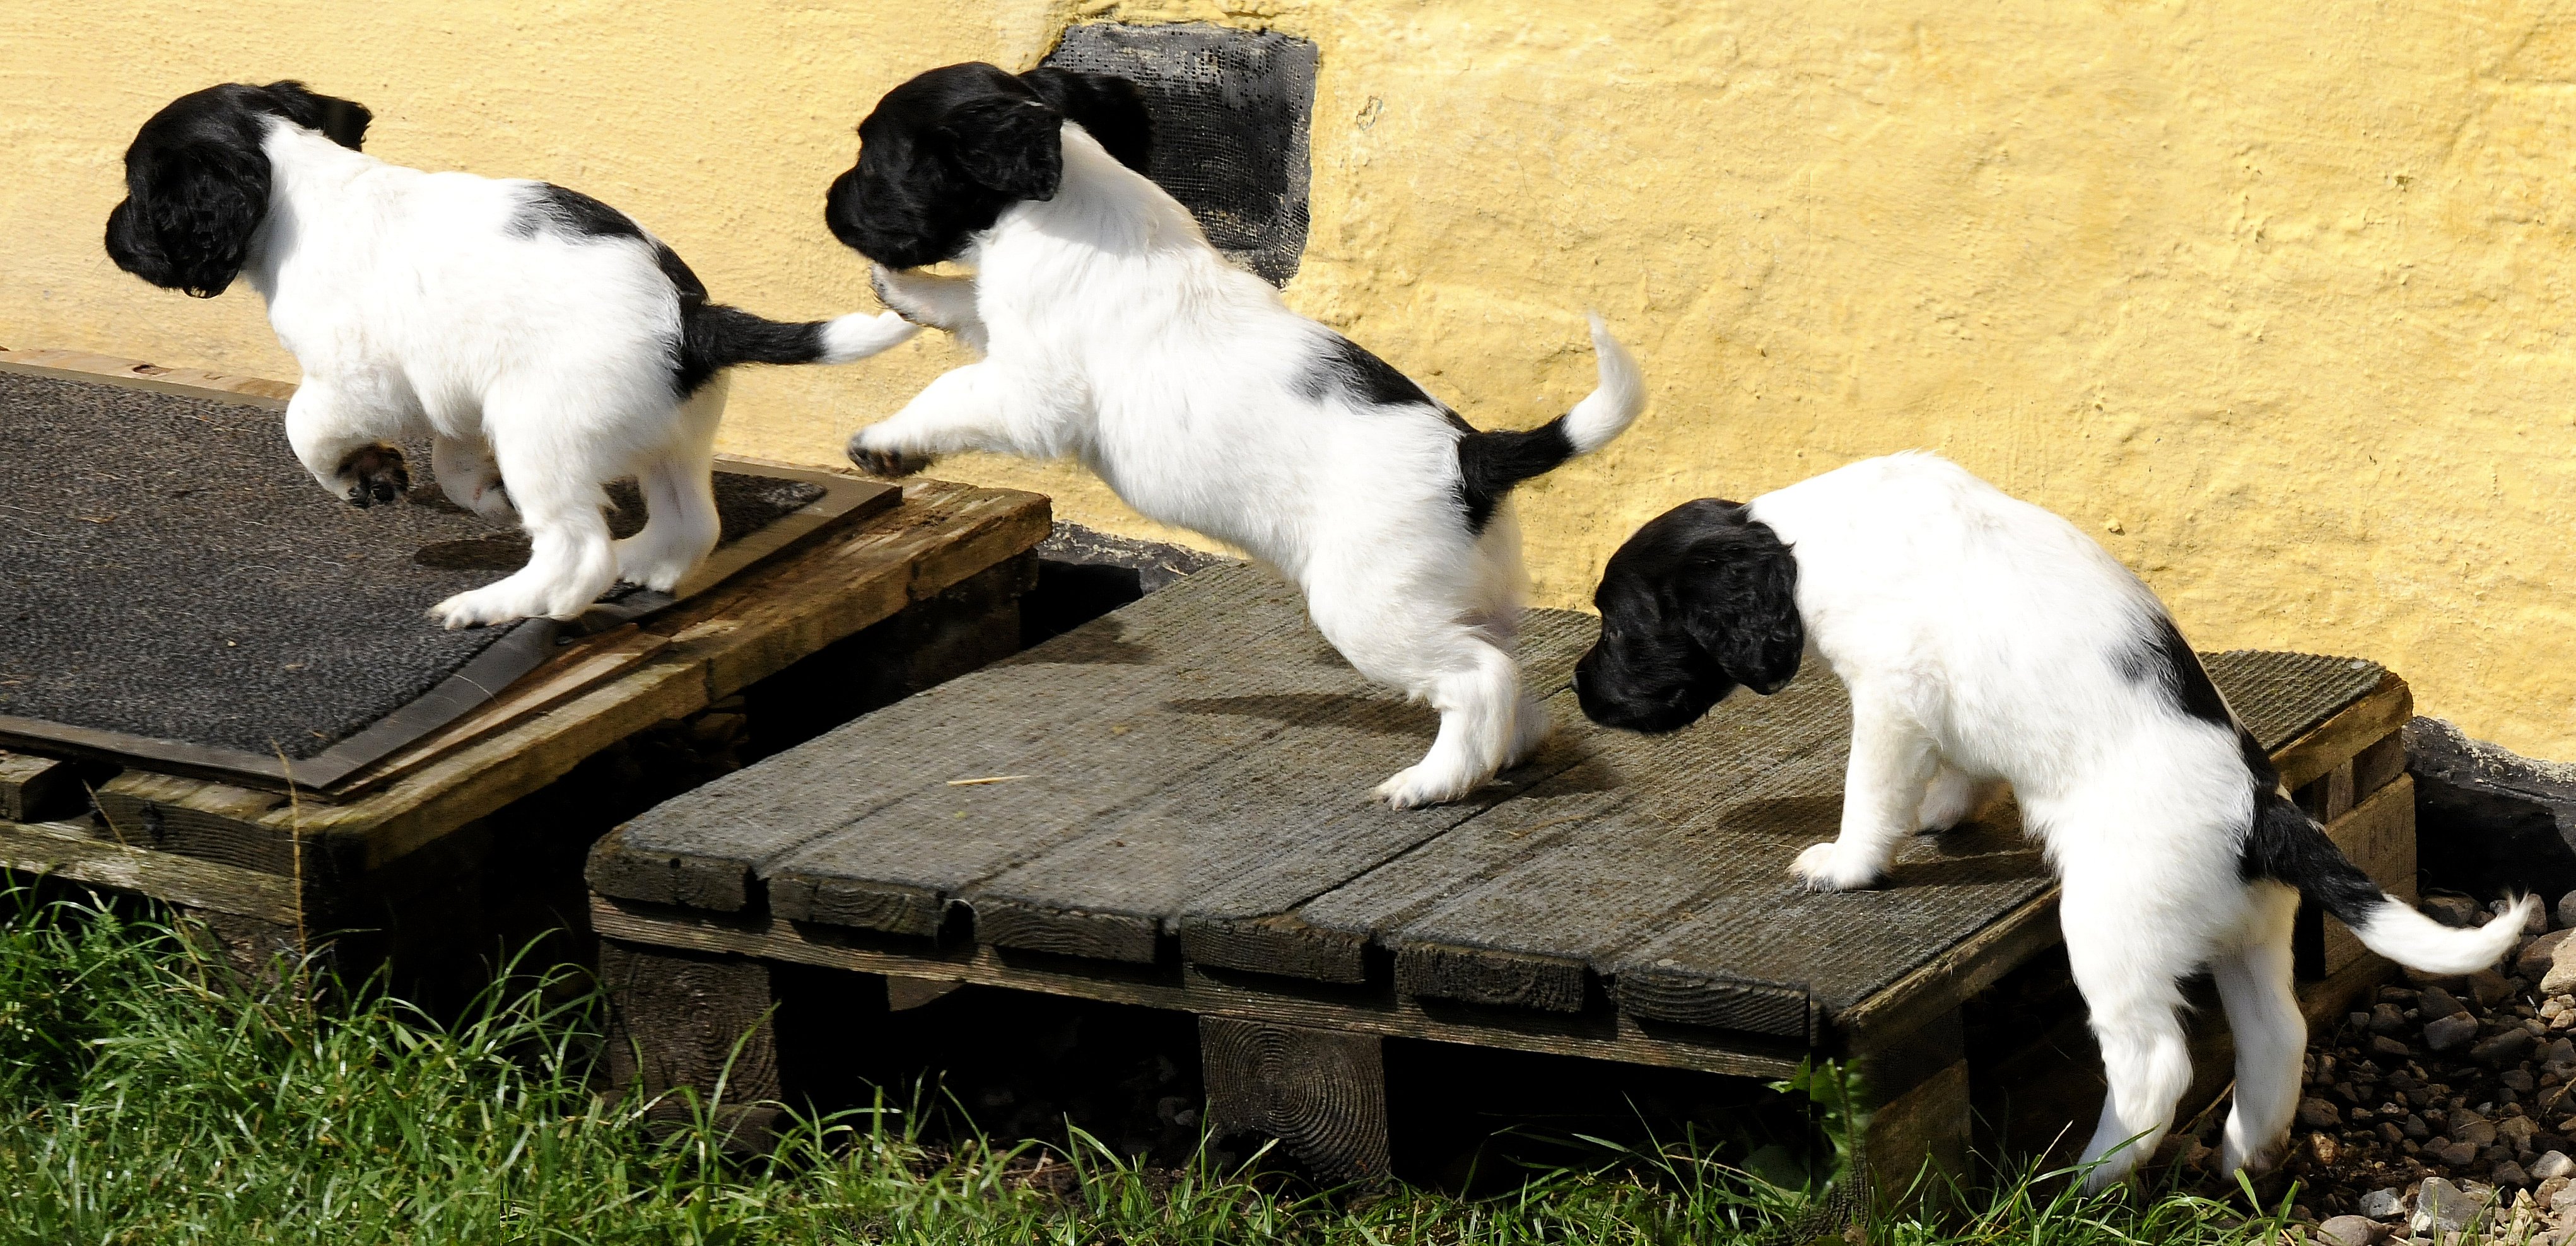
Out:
{"x": 1612, "y": 405}
{"x": 2286, "y": 845}
{"x": 1489, "y": 464}
{"x": 2395, "y": 930}
{"x": 847, "y": 339}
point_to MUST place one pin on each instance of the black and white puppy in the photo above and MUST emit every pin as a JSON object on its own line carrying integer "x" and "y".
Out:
{"x": 1112, "y": 332}
{"x": 1984, "y": 641}
{"x": 535, "y": 335}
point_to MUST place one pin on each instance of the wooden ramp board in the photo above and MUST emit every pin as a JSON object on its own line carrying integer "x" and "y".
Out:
{"x": 263, "y": 630}
{"x": 1188, "y": 780}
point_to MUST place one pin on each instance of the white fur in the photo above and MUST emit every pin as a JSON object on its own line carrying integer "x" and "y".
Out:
{"x": 542, "y": 361}
{"x": 1980, "y": 637}
{"x": 1113, "y": 333}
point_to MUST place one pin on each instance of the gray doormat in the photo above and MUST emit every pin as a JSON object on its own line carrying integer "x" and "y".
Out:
{"x": 174, "y": 585}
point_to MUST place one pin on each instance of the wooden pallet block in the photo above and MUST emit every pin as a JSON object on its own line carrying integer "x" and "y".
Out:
{"x": 1165, "y": 808}
{"x": 937, "y": 576}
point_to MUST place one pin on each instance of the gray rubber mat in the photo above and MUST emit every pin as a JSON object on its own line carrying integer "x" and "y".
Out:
{"x": 168, "y": 570}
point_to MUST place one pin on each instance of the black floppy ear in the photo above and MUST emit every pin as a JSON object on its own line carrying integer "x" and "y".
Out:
{"x": 1108, "y": 107}
{"x": 1014, "y": 146}
{"x": 342, "y": 121}
{"x": 187, "y": 224}
{"x": 1739, "y": 603}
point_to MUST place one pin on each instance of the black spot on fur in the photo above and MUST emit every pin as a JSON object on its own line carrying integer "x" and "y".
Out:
{"x": 1109, "y": 108}
{"x": 1489, "y": 464}
{"x": 1701, "y": 599}
{"x": 553, "y": 209}
{"x": 2165, "y": 658}
{"x": 714, "y": 336}
{"x": 1348, "y": 367}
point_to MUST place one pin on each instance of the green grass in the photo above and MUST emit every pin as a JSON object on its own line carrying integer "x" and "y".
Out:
{"x": 147, "y": 1097}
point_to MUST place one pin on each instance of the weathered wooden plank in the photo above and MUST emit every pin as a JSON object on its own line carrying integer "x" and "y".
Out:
{"x": 73, "y": 851}
{"x": 1212, "y": 849}
{"x": 2345, "y": 732}
{"x": 1620, "y": 866}
{"x": 880, "y": 822}
{"x": 134, "y": 374}
{"x": 684, "y": 1020}
{"x": 38, "y": 789}
{"x": 2379, "y": 765}
{"x": 1644, "y": 784}
{"x": 2379, "y": 835}
{"x": 1322, "y": 1093}
{"x": 1186, "y": 988}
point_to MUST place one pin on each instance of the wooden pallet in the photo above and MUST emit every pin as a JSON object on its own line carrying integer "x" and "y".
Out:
{"x": 922, "y": 590}
{"x": 1169, "y": 808}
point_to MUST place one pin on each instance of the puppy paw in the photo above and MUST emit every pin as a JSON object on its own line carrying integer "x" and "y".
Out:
{"x": 1529, "y": 730}
{"x": 493, "y": 502}
{"x": 887, "y": 464}
{"x": 375, "y": 474}
{"x": 890, "y": 292}
{"x": 1822, "y": 867}
{"x": 659, "y": 570}
{"x": 479, "y": 608}
{"x": 1950, "y": 800}
{"x": 1416, "y": 786}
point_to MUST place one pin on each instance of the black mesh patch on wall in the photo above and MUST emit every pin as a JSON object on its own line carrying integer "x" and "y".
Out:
{"x": 1230, "y": 114}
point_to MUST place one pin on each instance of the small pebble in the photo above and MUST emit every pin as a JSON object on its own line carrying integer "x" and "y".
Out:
{"x": 2351, "y": 1231}
{"x": 2381, "y": 1204}
{"x": 2440, "y": 1207}
{"x": 2394, "y": 1049}
{"x": 2509, "y": 1175}
{"x": 2455, "y": 1154}
{"x": 2567, "y": 909}
{"x": 2453, "y": 910}
{"x": 2448, "y": 1032}
{"x": 2433, "y": 1001}
{"x": 2386, "y": 1019}
{"x": 2317, "y": 1113}
{"x": 2552, "y": 1164}
{"x": 2504, "y": 1048}
{"x": 2534, "y": 958}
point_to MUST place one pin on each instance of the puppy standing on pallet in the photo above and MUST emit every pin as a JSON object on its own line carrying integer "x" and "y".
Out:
{"x": 1984, "y": 641}
{"x": 1113, "y": 332}
{"x": 537, "y": 336}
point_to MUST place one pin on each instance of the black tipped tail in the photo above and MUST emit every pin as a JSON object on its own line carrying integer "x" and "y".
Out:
{"x": 2287, "y": 846}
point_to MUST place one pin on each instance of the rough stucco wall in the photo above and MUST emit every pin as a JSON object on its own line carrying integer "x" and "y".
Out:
{"x": 2270, "y": 298}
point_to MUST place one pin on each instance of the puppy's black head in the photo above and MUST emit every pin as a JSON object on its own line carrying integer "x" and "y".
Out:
{"x": 196, "y": 180}
{"x": 944, "y": 153}
{"x": 1701, "y": 599}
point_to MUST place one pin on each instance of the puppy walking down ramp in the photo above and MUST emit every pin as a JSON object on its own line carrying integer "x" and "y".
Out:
{"x": 1188, "y": 832}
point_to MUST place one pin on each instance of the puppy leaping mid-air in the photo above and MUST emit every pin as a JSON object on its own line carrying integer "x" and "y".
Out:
{"x": 1984, "y": 641}
{"x": 1114, "y": 333}
{"x": 540, "y": 339}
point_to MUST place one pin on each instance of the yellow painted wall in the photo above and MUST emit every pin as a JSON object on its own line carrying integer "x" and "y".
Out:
{"x": 2271, "y": 296}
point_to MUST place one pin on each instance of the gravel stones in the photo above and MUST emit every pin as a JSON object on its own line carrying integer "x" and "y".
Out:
{"x": 2382, "y": 1204}
{"x": 2567, "y": 910}
{"x": 2316, "y": 1113}
{"x": 2433, "y": 1001}
{"x": 2553, "y": 1163}
{"x": 2351, "y": 1231}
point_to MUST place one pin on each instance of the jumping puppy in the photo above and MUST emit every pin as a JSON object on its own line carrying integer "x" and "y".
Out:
{"x": 1984, "y": 640}
{"x": 1112, "y": 332}
{"x": 537, "y": 336}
